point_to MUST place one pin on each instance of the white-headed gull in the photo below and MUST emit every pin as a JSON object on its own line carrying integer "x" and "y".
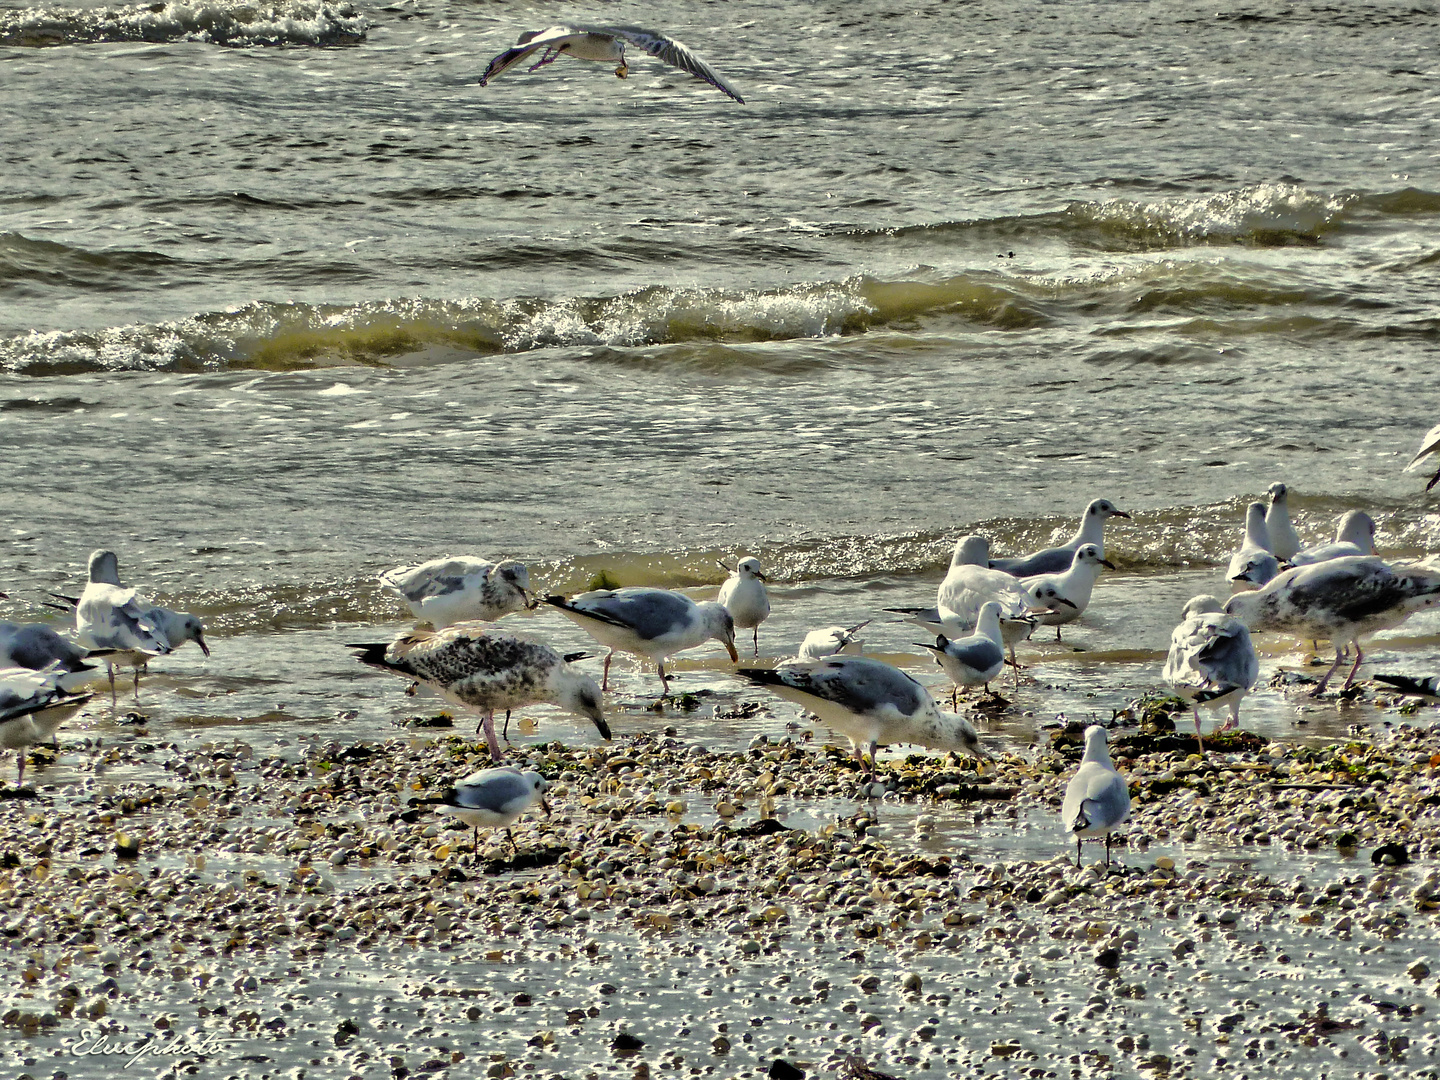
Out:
{"x": 1341, "y": 600}
{"x": 1057, "y": 560}
{"x": 32, "y": 708}
{"x": 1284, "y": 541}
{"x": 486, "y": 668}
{"x": 744, "y": 596}
{"x": 975, "y": 659}
{"x": 460, "y": 588}
{"x": 1254, "y": 564}
{"x": 1073, "y": 587}
{"x": 1429, "y": 447}
{"x": 493, "y": 798}
{"x": 831, "y": 640}
{"x": 1354, "y": 535}
{"x": 117, "y": 620}
{"x": 605, "y": 44}
{"x": 870, "y": 702}
{"x": 1212, "y": 661}
{"x": 1097, "y": 799}
{"x": 38, "y": 647}
{"x": 651, "y": 623}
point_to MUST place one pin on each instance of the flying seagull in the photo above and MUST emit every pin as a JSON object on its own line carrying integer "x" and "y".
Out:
{"x": 607, "y": 45}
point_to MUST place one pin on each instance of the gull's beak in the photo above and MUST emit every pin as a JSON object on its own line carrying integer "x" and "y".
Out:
{"x": 1121, "y": 513}
{"x": 761, "y": 576}
{"x": 601, "y": 726}
{"x": 622, "y": 70}
{"x": 200, "y": 640}
{"x": 544, "y": 806}
{"x": 532, "y": 601}
{"x": 1106, "y": 563}
{"x": 730, "y": 648}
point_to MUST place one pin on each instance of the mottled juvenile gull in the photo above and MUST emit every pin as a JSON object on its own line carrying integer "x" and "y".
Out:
{"x": 975, "y": 659}
{"x": 486, "y": 668}
{"x": 744, "y": 596}
{"x": 116, "y": 620}
{"x": 1342, "y": 600}
{"x": 1254, "y": 564}
{"x": 460, "y": 588}
{"x": 1097, "y": 799}
{"x": 605, "y": 44}
{"x": 1212, "y": 661}
{"x": 870, "y": 702}
{"x": 1284, "y": 541}
{"x": 651, "y": 623}
{"x": 493, "y": 799}
{"x": 1073, "y": 587}
{"x": 830, "y": 640}
{"x": 1057, "y": 560}
{"x": 32, "y": 708}
{"x": 1429, "y": 447}
{"x": 1354, "y": 535}
{"x": 37, "y": 647}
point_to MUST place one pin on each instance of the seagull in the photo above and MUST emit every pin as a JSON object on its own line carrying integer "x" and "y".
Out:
{"x": 109, "y": 617}
{"x": 1354, "y": 535}
{"x": 460, "y": 588}
{"x": 1212, "y": 660}
{"x": 832, "y": 640}
{"x": 1341, "y": 600}
{"x": 1057, "y": 560}
{"x": 478, "y": 665}
{"x": 1284, "y": 543}
{"x": 651, "y": 623}
{"x": 870, "y": 702}
{"x": 1097, "y": 799}
{"x": 494, "y": 798}
{"x": 1429, "y": 448}
{"x": 1254, "y": 564}
{"x": 744, "y": 596}
{"x": 607, "y": 45}
{"x": 975, "y": 659}
{"x": 32, "y": 708}
{"x": 37, "y": 647}
{"x": 1073, "y": 587}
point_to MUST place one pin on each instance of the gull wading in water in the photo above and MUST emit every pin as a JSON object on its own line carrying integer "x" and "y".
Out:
{"x": 493, "y": 799}
{"x": 1340, "y": 600}
{"x": 1354, "y": 535}
{"x": 477, "y": 665}
{"x": 1097, "y": 799}
{"x": 1254, "y": 564}
{"x": 1284, "y": 542}
{"x": 744, "y": 596}
{"x": 975, "y": 659}
{"x": 605, "y": 44}
{"x": 870, "y": 702}
{"x": 651, "y": 623}
{"x": 32, "y": 708}
{"x": 460, "y": 588}
{"x": 1057, "y": 560}
{"x": 1212, "y": 661}
{"x": 116, "y": 620}
{"x": 1072, "y": 588}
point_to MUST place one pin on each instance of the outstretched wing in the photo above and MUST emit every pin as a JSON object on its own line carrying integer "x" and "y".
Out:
{"x": 673, "y": 53}
{"x": 530, "y": 41}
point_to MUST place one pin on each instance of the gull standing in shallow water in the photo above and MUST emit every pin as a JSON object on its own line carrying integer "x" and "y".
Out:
{"x": 493, "y": 798}
{"x": 1341, "y": 600}
{"x": 1097, "y": 799}
{"x": 1072, "y": 588}
{"x": 116, "y": 620}
{"x": 1284, "y": 542}
{"x": 1254, "y": 564}
{"x": 477, "y": 665}
{"x": 744, "y": 596}
{"x": 1057, "y": 560}
{"x": 870, "y": 702}
{"x": 975, "y": 659}
{"x": 460, "y": 588}
{"x": 651, "y": 623}
{"x": 605, "y": 44}
{"x": 32, "y": 708}
{"x": 1212, "y": 661}
{"x": 1354, "y": 535}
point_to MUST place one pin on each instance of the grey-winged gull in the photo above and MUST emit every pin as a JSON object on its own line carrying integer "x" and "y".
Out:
{"x": 111, "y": 618}
{"x": 32, "y": 708}
{"x": 460, "y": 588}
{"x": 1056, "y": 560}
{"x": 1254, "y": 564}
{"x": 831, "y": 640}
{"x": 1341, "y": 600}
{"x": 976, "y": 658}
{"x": 1212, "y": 661}
{"x": 478, "y": 665}
{"x": 650, "y": 623}
{"x": 1097, "y": 799}
{"x": 870, "y": 702}
{"x": 37, "y": 647}
{"x": 1354, "y": 535}
{"x": 605, "y": 44}
{"x": 492, "y": 798}
{"x": 744, "y": 596}
{"x": 1284, "y": 541}
{"x": 1073, "y": 587}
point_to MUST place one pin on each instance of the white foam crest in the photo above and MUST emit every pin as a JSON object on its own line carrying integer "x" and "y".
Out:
{"x": 1244, "y": 212}
{"x": 286, "y": 22}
